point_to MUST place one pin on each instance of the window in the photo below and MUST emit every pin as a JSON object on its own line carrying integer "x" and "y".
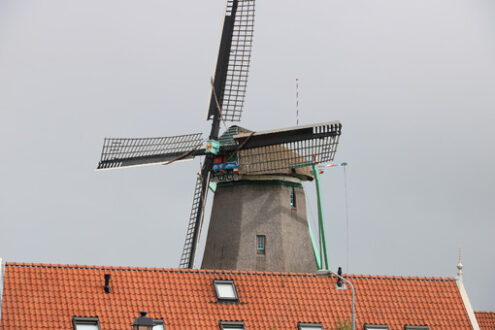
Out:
{"x": 227, "y": 325}
{"x": 375, "y": 326}
{"x": 85, "y": 323}
{"x": 415, "y": 327}
{"x": 260, "y": 244}
{"x": 225, "y": 290}
{"x": 310, "y": 326}
{"x": 293, "y": 197}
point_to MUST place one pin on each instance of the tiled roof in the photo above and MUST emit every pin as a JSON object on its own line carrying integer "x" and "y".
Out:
{"x": 486, "y": 320}
{"x": 37, "y": 296}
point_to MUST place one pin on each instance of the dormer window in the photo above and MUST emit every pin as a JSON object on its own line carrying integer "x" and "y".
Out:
{"x": 86, "y": 323}
{"x": 310, "y": 326}
{"x": 225, "y": 290}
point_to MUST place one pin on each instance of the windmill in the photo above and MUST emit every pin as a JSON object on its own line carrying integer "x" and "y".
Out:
{"x": 238, "y": 153}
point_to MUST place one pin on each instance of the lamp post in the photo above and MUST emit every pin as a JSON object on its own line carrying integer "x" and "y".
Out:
{"x": 143, "y": 322}
{"x": 327, "y": 272}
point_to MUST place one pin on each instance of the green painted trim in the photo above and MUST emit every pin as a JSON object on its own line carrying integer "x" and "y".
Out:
{"x": 315, "y": 248}
{"x": 321, "y": 224}
{"x": 259, "y": 182}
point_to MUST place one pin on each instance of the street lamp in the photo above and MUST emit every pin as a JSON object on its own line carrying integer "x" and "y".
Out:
{"x": 143, "y": 322}
{"x": 328, "y": 272}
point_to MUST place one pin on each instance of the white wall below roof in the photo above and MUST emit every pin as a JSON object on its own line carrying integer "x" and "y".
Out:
{"x": 467, "y": 304}
{"x": 1, "y": 286}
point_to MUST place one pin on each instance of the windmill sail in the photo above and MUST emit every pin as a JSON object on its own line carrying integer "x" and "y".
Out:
{"x": 234, "y": 57}
{"x": 119, "y": 153}
{"x": 287, "y": 149}
{"x": 229, "y": 85}
{"x": 195, "y": 222}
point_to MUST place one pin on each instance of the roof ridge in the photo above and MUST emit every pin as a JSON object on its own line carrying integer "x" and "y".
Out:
{"x": 220, "y": 272}
{"x": 156, "y": 269}
{"x": 400, "y": 277}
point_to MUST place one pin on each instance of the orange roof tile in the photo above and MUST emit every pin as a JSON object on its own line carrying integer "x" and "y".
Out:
{"x": 38, "y": 296}
{"x": 486, "y": 320}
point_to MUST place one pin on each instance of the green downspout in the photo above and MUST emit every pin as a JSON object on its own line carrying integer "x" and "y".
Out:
{"x": 315, "y": 248}
{"x": 321, "y": 225}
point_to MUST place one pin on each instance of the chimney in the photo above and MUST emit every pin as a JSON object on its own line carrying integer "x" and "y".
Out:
{"x": 339, "y": 281}
{"x": 107, "y": 283}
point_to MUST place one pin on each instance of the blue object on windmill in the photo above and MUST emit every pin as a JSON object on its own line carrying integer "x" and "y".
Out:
{"x": 225, "y": 166}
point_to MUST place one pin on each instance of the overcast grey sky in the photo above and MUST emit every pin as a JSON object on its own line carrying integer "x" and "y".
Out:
{"x": 412, "y": 81}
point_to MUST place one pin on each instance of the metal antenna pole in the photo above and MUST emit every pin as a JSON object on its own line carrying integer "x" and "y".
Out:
{"x": 346, "y": 219}
{"x": 297, "y": 101}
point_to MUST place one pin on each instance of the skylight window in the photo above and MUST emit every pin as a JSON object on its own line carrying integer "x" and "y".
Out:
{"x": 415, "y": 327}
{"x": 310, "y": 326}
{"x": 227, "y": 325}
{"x": 86, "y": 323}
{"x": 225, "y": 290}
{"x": 375, "y": 326}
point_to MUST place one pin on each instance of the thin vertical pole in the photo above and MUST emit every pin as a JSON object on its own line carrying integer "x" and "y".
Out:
{"x": 346, "y": 220}
{"x": 321, "y": 225}
{"x": 297, "y": 101}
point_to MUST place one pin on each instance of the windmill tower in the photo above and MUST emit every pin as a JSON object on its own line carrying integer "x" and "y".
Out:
{"x": 258, "y": 218}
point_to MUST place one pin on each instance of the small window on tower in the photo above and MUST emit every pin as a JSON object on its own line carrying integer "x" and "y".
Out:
{"x": 293, "y": 197}
{"x": 260, "y": 244}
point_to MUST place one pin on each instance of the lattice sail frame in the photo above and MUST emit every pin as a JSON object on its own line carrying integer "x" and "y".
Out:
{"x": 126, "y": 152}
{"x": 234, "y": 92}
{"x": 310, "y": 144}
{"x": 187, "y": 250}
